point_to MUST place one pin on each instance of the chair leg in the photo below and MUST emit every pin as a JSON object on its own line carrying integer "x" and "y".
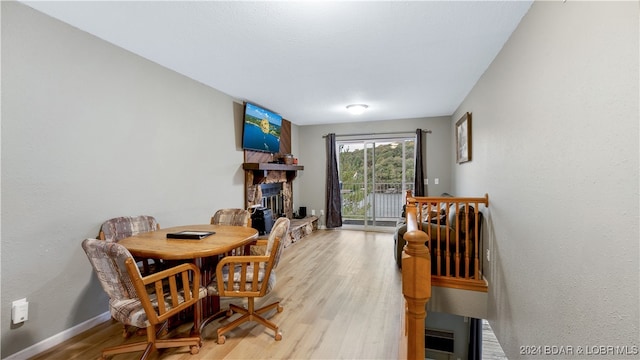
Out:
{"x": 192, "y": 342}
{"x": 266, "y": 322}
{"x": 127, "y": 348}
{"x": 153, "y": 343}
{"x": 236, "y": 309}
{"x": 197, "y": 325}
{"x": 275, "y": 305}
{"x": 250, "y": 314}
{"x": 150, "y": 348}
{"x": 234, "y": 324}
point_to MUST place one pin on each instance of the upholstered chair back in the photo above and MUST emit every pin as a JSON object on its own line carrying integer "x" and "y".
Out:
{"x": 279, "y": 230}
{"x": 236, "y": 217}
{"x": 116, "y": 229}
{"x": 108, "y": 261}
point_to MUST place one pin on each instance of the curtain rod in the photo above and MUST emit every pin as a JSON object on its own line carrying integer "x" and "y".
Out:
{"x": 387, "y": 133}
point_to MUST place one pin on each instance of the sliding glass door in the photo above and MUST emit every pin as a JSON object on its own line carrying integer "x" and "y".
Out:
{"x": 374, "y": 175}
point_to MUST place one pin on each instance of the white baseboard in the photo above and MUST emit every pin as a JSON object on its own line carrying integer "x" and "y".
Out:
{"x": 58, "y": 338}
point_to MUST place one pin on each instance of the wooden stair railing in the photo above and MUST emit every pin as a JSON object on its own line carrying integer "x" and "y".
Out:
{"x": 416, "y": 287}
{"x": 453, "y": 228}
{"x": 450, "y": 227}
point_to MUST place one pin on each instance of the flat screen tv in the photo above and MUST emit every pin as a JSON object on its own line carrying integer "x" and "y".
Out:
{"x": 261, "y": 130}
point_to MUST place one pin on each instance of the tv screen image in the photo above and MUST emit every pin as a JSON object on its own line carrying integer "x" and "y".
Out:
{"x": 261, "y": 131}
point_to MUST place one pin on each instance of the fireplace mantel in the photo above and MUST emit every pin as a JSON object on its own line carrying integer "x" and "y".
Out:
{"x": 261, "y": 170}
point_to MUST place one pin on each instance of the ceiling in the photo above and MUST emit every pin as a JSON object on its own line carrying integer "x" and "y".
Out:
{"x": 308, "y": 60}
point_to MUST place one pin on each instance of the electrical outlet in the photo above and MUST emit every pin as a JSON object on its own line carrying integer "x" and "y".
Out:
{"x": 436, "y": 181}
{"x": 321, "y": 212}
{"x": 313, "y": 212}
{"x": 19, "y": 311}
{"x": 488, "y": 255}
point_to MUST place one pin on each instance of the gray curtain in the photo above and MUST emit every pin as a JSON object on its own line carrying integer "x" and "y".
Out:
{"x": 418, "y": 184}
{"x": 333, "y": 198}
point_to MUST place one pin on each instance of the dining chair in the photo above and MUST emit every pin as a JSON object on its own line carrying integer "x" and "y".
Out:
{"x": 252, "y": 276}
{"x": 145, "y": 302}
{"x": 118, "y": 228}
{"x": 121, "y": 227}
{"x": 237, "y": 217}
{"x": 234, "y": 217}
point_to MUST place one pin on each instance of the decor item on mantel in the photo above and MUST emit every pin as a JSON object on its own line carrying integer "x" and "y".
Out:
{"x": 463, "y": 139}
{"x": 287, "y": 159}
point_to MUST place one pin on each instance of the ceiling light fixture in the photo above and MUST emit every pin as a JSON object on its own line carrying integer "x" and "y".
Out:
{"x": 357, "y": 109}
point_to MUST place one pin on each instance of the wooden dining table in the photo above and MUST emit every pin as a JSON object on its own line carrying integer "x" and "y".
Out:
{"x": 203, "y": 252}
{"x": 156, "y": 245}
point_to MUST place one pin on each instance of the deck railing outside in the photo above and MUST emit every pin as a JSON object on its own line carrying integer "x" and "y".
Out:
{"x": 388, "y": 198}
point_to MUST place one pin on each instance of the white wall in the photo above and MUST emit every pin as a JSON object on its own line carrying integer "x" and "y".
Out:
{"x": 555, "y": 144}
{"x": 312, "y": 155}
{"x": 90, "y": 132}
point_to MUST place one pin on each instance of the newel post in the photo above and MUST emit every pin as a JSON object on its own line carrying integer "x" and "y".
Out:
{"x": 416, "y": 282}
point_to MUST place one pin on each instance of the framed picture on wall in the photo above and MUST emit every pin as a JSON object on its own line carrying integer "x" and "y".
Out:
{"x": 463, "y": 139}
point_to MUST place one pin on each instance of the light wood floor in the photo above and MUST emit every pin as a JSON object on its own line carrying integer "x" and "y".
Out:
{"x": 341, "y": 293}
{"x": 491, "y": 349}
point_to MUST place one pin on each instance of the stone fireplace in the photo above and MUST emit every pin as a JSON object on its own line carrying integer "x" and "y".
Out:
{"x": 260, "y": 169}
{"x": 270, "y": 185}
